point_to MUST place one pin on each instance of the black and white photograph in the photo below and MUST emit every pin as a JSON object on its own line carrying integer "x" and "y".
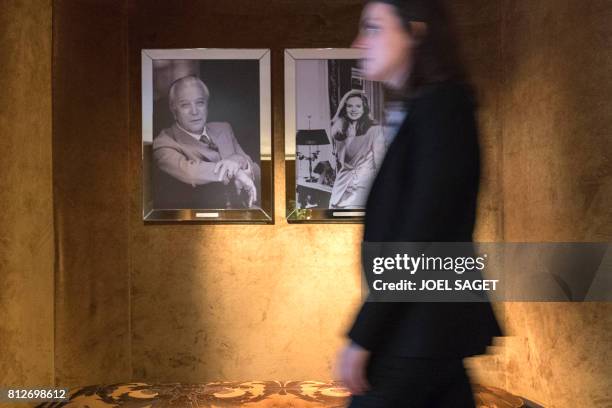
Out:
{"x": 203, "y": 146}
{"x": 339, "y": 135}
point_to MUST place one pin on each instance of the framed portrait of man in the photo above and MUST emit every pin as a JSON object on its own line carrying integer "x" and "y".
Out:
{"x": 206, "y": 135}
{"x": 335, "y": 140}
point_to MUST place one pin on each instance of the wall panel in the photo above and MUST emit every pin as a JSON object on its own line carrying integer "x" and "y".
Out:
{"x": 557, "y": 183}
{"x": 26, "y": 218}
{"x": 90, "y": 164}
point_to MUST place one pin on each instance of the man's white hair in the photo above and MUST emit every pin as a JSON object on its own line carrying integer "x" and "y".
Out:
{"x": 185, "y": 82}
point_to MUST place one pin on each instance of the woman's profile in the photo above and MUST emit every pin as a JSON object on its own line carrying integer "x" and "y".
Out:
{"x": 359, "y": 148}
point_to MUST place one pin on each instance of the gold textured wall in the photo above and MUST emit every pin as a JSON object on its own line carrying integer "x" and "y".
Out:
{"x": 26, "y": 219}
{"x": 557, "y": 185}
{"x": 477, "y": 25}
{"x": 90, "y": 178}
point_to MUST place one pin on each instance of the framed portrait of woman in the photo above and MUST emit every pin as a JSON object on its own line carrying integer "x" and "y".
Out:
{"x": 206, "y": 135}
{"x": 334, "y": 135}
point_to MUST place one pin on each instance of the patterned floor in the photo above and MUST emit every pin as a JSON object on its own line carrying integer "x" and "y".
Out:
{"x": 260, "y": 394}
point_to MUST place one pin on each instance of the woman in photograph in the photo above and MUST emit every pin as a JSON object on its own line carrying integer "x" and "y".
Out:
{"x": 403, "y": 354}
{"x": 359, "y": 148}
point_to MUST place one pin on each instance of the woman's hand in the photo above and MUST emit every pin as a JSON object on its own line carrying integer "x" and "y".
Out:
{"x": 336, "y": 129}
{"x": 352, "y": 368}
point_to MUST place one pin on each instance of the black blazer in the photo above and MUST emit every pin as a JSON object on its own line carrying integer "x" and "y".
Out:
{"x": 426, "y": 191}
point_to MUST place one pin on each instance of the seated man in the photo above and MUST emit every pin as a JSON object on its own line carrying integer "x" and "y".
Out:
{"x": 201, "y": 164}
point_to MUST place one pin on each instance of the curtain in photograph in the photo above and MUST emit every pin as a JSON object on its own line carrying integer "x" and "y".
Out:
{"x": 375, "y": 94}
{"x": 340, "y": 81}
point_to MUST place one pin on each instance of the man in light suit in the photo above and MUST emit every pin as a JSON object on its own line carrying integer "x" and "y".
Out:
{"x": 200, "y": 163}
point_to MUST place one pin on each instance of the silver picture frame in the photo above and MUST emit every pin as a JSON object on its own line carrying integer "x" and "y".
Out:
{"x": 159, "y": 201}
{"x": 302, "y": 161}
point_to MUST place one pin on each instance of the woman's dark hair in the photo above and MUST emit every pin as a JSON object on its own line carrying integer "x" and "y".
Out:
{"x": 436, "y": 58}
{"x": 363, "y": 123}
